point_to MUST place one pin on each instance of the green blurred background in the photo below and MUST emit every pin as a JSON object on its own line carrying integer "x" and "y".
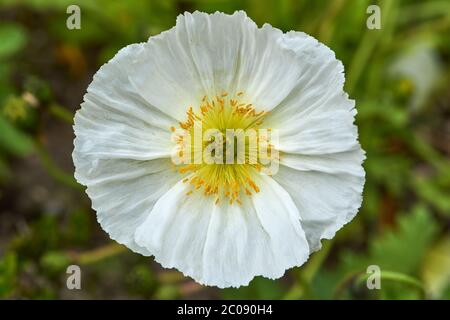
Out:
{"x": 399, "y": 76}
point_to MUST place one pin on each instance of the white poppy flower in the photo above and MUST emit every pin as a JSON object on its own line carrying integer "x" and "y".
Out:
{"x": 221, "y": 224}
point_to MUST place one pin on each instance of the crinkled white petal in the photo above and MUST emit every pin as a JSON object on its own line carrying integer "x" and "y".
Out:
{"x": 122, "y": 150}
{"x": 114, "y": 122}
{"x": 212, "y": 54}
{"x": 317, "y": 117}
{"x": 321, "y": 159}
{"x": 225, "y": 245}
{"x": 325, "y": 201}
{"x": 348, "y": 162}
{"x": 123, "y": 192}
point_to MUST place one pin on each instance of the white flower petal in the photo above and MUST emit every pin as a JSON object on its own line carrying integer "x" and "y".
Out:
{"x": 325, "y": 201}
{"x": 317, "y": 117}
{"x": 321, "y": 159}
{"x": 112, "y": 92}
{"x": 348, "y": 162}
{"x": 211, "y": 54}
{"x": 123, "y": 193}
{"x": 107, "y": 138}
{"x": 118, "y": 136}
{"x": 114, "y": 122}
{"x": 225, "y": 245}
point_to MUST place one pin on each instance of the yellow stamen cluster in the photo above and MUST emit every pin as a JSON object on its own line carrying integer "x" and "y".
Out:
{"x": 221, "y": 180}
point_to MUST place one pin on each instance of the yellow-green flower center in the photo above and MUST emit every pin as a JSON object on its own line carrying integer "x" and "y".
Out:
{"x": 223, "y": 141}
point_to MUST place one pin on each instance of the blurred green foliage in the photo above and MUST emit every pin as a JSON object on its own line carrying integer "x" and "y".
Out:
{"x": 398, "y": 75}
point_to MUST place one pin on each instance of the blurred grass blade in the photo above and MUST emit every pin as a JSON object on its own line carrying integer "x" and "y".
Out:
{"x": 13, "y": 140}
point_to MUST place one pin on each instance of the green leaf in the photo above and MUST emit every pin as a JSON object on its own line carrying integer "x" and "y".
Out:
{"x": 436, "y": 268}
{"x": 8, "y": 272}
{"x": 55, "y": 261}
{"x": 78, "y": 228}
{"x": 428, "y": 189}
{"x": 402, "y": 250}
{"x": 13, "y": 140}
{"x": 141, "y": 280}
{"x": 13, "y": 39}
{"x": 167, "y": 292}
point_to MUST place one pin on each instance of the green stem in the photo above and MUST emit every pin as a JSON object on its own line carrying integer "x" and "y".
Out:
{"x": 359, "y": 278}
{"x": 61, "y": 113}
{"x": 394, "y": 276}
{"x": 344, "y": 283}
{"x": 367, "y": 45}
{"x": 307, "y": 273}
{"x": 99, "y": 254}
